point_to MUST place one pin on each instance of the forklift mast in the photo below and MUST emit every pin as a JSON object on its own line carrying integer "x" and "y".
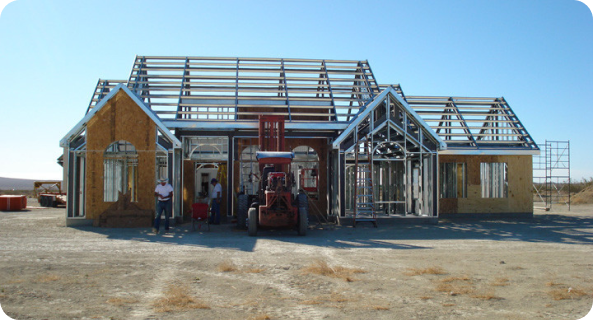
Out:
{"x": 271, "y": 133}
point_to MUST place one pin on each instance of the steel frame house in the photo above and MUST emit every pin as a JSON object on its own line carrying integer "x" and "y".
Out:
{"x": 199, "y": 119}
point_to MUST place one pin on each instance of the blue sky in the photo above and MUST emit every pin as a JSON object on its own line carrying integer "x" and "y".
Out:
{"x": 537, "y": 54}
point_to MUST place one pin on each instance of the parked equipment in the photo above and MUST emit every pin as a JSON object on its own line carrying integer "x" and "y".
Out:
{"x": 49, "y": 193}
{"x": 274, "y": 206}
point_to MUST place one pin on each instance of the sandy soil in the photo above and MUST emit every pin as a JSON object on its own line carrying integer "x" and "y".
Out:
{"x": 539, "y": 269}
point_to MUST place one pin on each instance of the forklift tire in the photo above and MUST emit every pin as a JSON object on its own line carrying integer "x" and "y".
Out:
{"x": 243, "y": 207}
{"x": 302, "y": 201}
{"x": 252, "y": 228}
{"x": 303, "y": 220}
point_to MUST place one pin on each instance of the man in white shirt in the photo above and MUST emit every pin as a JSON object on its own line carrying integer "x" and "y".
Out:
{"x": 164, "y": 193}
{"x": 216, "y": 199}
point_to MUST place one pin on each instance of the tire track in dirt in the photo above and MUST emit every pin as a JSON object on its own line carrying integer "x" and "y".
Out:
{"x": 155, "y": 287}
{"x": 280, "y": 280}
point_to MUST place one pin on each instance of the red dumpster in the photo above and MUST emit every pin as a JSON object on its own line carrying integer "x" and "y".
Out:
{"x": 12, "y": 203}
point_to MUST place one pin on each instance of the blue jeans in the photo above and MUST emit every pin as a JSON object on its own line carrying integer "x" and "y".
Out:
{"x": 215, "y": 214}
{"x": 162, "y": 206}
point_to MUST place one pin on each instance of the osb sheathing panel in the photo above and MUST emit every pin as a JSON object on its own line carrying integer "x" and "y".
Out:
{"x": 519, "y": 176}
{"x": 120, "y": 119}
{"x": 448, "y": 205}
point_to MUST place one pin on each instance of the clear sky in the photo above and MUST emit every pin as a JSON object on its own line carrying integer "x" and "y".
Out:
{"x": 536, "y": 54}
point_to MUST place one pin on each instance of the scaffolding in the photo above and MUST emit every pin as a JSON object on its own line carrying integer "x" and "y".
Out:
{"x": 551, "y": 175}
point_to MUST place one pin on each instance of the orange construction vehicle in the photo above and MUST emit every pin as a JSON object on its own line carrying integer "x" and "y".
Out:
{"x": 274, "y": 206}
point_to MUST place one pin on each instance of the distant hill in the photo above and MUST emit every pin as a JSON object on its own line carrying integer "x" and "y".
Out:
{"x": 17, "y": 184}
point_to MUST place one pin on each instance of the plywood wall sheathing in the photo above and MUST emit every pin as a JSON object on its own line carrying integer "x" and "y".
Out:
{"x": 520, "y": 176}
{"x": 120, "y": 119}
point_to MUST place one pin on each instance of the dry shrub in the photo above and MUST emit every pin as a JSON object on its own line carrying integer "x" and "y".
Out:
{"x": 425, "y": 298}
{"x": 227, "y": 266}
{"x": 45, "y": 278}
{"x": 489, "y": 295}
{"x": 260, "y": 317}
{"x": 553, "y": 283}
{"x": 121, "y": 301}
{"x": 448, "y": 304}
{"x": 421, "y": 271}
{"x": 334, "y": 297}
{"x": 178, "y": 298}
{"x": 380, "y": 308}
{"x": 583, "y": 197}
{"x": 311, "y": 302}
{"x": 15, "y": 281}
{"x": 455, "y": 286}
{"x": 459, "y": 278}
{"x": 250, "y": 302}
{"x": 567, "y": 293}
{"x": 254, "y": 270}
{"x": 454, "y": 289}
{"x": 500, "y": 282}
{"x": 344, "y": 300}
{"x": 321, "y": 267}
{"x": 337, "y": 297}
{"x": 516, "y": 268}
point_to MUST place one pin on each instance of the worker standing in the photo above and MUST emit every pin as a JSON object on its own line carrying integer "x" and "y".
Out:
{"x": 164, "y": 193}
{"x": 216, "y": 199}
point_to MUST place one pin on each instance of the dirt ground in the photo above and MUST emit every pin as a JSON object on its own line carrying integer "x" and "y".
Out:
{"x": 538, "y": 269}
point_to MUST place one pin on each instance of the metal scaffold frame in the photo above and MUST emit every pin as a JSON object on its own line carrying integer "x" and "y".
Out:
{"x": 551, "y": 175}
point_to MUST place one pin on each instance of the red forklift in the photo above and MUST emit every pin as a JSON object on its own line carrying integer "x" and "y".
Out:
{"x": 274, "y": 206}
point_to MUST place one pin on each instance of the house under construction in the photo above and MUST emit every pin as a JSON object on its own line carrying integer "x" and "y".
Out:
{"x": 362, "y": 150}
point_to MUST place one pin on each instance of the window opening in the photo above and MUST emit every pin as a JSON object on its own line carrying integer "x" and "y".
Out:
{"x": 213, "y": 149}
{"x": 162, "y": 165}
{"x": 305, "y": 168}
{"x": 120, "y": 171}
{"x": 249, "y": 171}
{"x": 204, "y": 172}
{"x": 453, "y": 180}
{"x": 494, "y": 179}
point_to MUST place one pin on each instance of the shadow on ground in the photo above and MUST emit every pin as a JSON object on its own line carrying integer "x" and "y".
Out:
{"x": 544, "y": 228}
